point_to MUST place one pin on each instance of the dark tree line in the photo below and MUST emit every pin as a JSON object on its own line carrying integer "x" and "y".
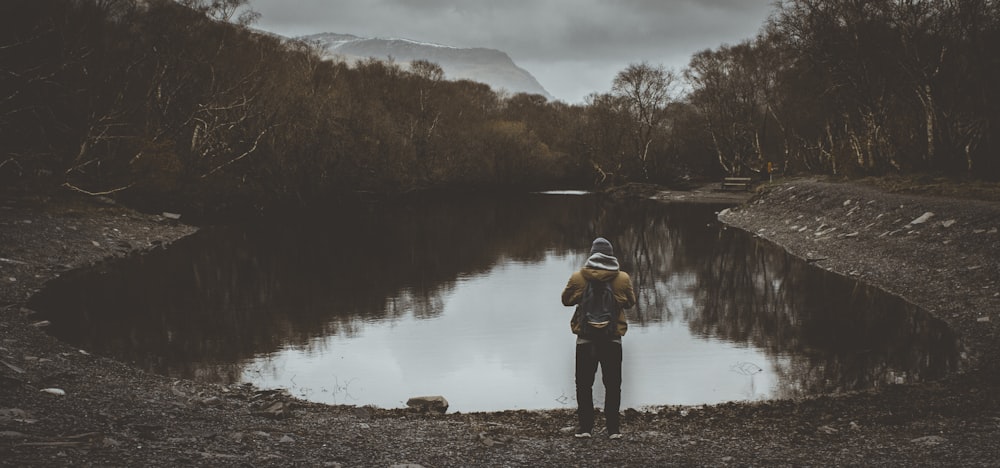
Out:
{"x": 858, "y": 87}
{"x": 180, "y": 102}
{"x": 165, "y": 100}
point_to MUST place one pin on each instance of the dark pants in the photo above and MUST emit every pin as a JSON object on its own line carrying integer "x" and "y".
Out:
{"x": 609, "y": 355}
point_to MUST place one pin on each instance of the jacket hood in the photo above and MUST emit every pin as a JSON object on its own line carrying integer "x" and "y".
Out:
{"x": 594, "y": 274}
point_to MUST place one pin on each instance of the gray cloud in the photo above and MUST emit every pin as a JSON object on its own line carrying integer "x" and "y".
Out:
{"x": 574, "y": 47}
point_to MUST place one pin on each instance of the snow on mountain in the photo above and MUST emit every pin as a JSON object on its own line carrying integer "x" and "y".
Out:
{"x": 489, "y": 66}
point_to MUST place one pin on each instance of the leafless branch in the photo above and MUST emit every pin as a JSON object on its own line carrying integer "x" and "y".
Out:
{"x": 106, "y": 192}
{"x": 245, "y": 154}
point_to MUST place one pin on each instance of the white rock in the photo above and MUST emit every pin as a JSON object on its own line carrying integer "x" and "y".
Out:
{"x": 949, "y": 223}
{"x": 828, "y": 430}
{"x": 55, "y": 391}
{"x": 923, "y": 218}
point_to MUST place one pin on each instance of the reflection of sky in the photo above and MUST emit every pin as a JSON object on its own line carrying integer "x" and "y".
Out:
{"x": 503, "y": 342}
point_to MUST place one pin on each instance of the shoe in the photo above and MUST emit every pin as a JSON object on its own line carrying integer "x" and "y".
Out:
{"x": 582, "y": 435}
{"x": 615, "y": 436}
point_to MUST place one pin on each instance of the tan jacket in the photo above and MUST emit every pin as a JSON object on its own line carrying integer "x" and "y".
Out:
{"x": 621, "y": 284}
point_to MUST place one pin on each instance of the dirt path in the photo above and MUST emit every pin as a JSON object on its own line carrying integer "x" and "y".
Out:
{"x": 114, "y": 415}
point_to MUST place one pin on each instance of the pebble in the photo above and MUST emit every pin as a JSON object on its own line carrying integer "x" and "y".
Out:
{"x": 929, "y": 440}
{"x": 212, "y": 401}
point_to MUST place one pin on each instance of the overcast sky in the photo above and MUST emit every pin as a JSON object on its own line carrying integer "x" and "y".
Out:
{"x": 573, "y": 47}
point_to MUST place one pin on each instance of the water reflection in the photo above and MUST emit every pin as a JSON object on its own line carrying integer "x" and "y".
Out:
{"x": 460, "y": 297}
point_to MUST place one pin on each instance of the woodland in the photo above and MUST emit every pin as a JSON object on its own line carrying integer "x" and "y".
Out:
{"x": 182, "y": 103}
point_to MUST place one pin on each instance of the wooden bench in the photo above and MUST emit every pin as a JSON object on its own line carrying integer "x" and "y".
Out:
{"x": 742, "y": 183}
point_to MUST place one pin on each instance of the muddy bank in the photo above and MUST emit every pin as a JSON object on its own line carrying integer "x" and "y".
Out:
{"x": 113, "y": 415}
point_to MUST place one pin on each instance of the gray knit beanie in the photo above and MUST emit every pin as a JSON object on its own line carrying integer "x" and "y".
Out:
{"x": 601, "y": 245}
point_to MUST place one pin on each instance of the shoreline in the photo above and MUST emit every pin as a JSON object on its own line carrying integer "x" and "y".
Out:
{"x": 114, "y": 415}
{"x": 935, "y": 252}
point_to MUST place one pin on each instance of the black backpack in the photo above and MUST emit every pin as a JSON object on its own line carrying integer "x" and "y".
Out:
{"x": 598, "y": 311}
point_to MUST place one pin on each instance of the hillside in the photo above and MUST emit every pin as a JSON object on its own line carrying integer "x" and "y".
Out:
{"x": 489, "y": 66}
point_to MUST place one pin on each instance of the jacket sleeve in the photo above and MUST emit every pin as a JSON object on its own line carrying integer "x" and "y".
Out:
{"x": 624, "y": 292}
{"x": 574, "y": 290}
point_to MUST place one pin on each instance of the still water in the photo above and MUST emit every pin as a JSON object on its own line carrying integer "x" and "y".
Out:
{"x": 460, "y": 298}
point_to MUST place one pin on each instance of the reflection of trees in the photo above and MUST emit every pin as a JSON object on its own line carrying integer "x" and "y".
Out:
{"x": 228, "y": 294}
{"x": 662, "y": 247}
{"x": 824, "y": 332}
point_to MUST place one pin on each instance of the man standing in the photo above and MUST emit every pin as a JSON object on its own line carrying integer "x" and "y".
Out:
{"x": 593, "y": 347}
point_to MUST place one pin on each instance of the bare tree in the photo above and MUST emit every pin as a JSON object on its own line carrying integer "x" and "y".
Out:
{"x": 646, "y": 91}
{"x": 225, "y": 10}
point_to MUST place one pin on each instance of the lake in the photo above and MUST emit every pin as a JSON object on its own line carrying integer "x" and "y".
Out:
{"x": 459, "y": 296}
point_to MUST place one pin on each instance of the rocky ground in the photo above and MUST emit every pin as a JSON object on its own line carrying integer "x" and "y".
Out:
{"x": 62, "y": 406}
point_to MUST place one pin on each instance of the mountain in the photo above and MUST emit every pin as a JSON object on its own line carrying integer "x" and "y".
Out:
{"x": 489, "y": 66}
